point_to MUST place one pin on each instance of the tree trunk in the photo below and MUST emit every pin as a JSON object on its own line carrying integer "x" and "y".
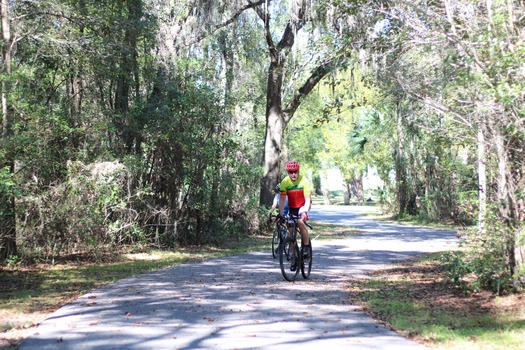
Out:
{"x": 400, "y": 169}
{"x": 511, "y": 210}
{"x": 226, "y": 76}
{"x": 272, "y": 149}
{"x": 347, "y": 195}
{"x": 518, "y": 211}
{"x": 504, "y": 210}
{"x": 276, "y": 120}
{"x": 482, "y": 178}
{"x": 359, "y": 187}
{"x": 7, "y": 199}
{"x": 325, "y": 192}
{"x": 128, "y": 73}
{"x": 277, "y": 117}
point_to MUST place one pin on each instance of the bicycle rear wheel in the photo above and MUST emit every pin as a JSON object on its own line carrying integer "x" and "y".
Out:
{"x": 291, "y": 265}
{"x": 306, "y": 263}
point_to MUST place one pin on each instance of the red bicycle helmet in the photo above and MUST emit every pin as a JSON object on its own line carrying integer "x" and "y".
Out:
{"x": 292, "y": 166}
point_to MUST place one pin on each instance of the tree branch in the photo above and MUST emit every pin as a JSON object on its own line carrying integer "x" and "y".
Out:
{"x": 319, "y": 73}
{"x": 265, "y": 16}
{"x": 439, "y": 107}
{"x": 295, "y": 23}
{"x": 251, "y": 5}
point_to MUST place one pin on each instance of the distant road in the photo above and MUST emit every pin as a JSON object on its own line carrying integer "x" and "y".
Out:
{"x": 242, "y": 302}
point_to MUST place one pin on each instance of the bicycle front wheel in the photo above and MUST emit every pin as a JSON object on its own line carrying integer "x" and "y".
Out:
{"x": 291, "y": 264}
{"x": 306, "y": 263}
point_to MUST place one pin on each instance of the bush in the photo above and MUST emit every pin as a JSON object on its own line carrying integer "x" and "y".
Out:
{"x": 481, "y": 265}
{"x": 87, "y": 211}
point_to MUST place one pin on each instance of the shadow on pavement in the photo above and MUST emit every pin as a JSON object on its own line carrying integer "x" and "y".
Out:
{"x": 242, "y": 302}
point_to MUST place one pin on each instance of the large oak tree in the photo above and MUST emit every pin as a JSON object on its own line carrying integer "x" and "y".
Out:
{"x": 280, "y": 109}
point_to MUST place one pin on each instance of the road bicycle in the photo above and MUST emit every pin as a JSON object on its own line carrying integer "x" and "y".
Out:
{"x": 291, "y": 257}
{"x": 279, "y": 235}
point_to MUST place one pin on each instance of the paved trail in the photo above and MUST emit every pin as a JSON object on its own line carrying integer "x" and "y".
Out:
{"x": 243, "y": 302}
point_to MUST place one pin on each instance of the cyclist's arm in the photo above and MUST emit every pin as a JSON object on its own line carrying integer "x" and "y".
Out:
{"x": 307, "y": 197}
{"x": 308, "y": 202}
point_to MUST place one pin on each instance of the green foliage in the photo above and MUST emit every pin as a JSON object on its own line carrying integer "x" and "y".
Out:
{"x": 91, "y": 83}
{"x": 8, "y": 183}
{"x": 481, "y": 264}
{"x": 478, "y": 270}
{"x": 13, "y": 261}
{"x": 86, "y": 213}
{"x": 191, "y": 166}
{"x": 450, "y": 80}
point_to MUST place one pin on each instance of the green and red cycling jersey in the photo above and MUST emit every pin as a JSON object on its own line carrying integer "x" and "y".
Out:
{"x": 295, "y": 190}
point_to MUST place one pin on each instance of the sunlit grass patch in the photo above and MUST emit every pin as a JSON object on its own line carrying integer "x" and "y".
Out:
{"x": 415, "y": 300}
{"x": 324, "y": 231}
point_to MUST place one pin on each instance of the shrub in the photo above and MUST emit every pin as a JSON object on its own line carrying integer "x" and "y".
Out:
{"x": 481, "y": 264}
{"x": 81, "y": 214}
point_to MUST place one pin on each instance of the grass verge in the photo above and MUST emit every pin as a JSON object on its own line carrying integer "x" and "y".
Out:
{"x": 30, "y": 293}
{"x": 414, "y": 299}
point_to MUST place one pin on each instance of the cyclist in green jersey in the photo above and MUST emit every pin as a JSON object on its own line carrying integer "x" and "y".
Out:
{"x": 297, "y": 188}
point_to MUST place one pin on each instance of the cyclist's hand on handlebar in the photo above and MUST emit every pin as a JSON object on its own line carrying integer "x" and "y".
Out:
{"x": 279, "y": 218}
{"x": 304, "y": 216}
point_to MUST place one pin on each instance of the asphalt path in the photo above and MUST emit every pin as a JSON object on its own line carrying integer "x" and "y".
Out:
{"x": 243, "y": 302}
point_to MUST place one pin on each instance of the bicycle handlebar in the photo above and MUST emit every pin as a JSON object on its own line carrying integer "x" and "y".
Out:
{"x": 294, "y": 218}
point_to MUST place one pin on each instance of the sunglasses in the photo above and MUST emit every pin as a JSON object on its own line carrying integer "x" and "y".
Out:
{"x": 293, "y": 172}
